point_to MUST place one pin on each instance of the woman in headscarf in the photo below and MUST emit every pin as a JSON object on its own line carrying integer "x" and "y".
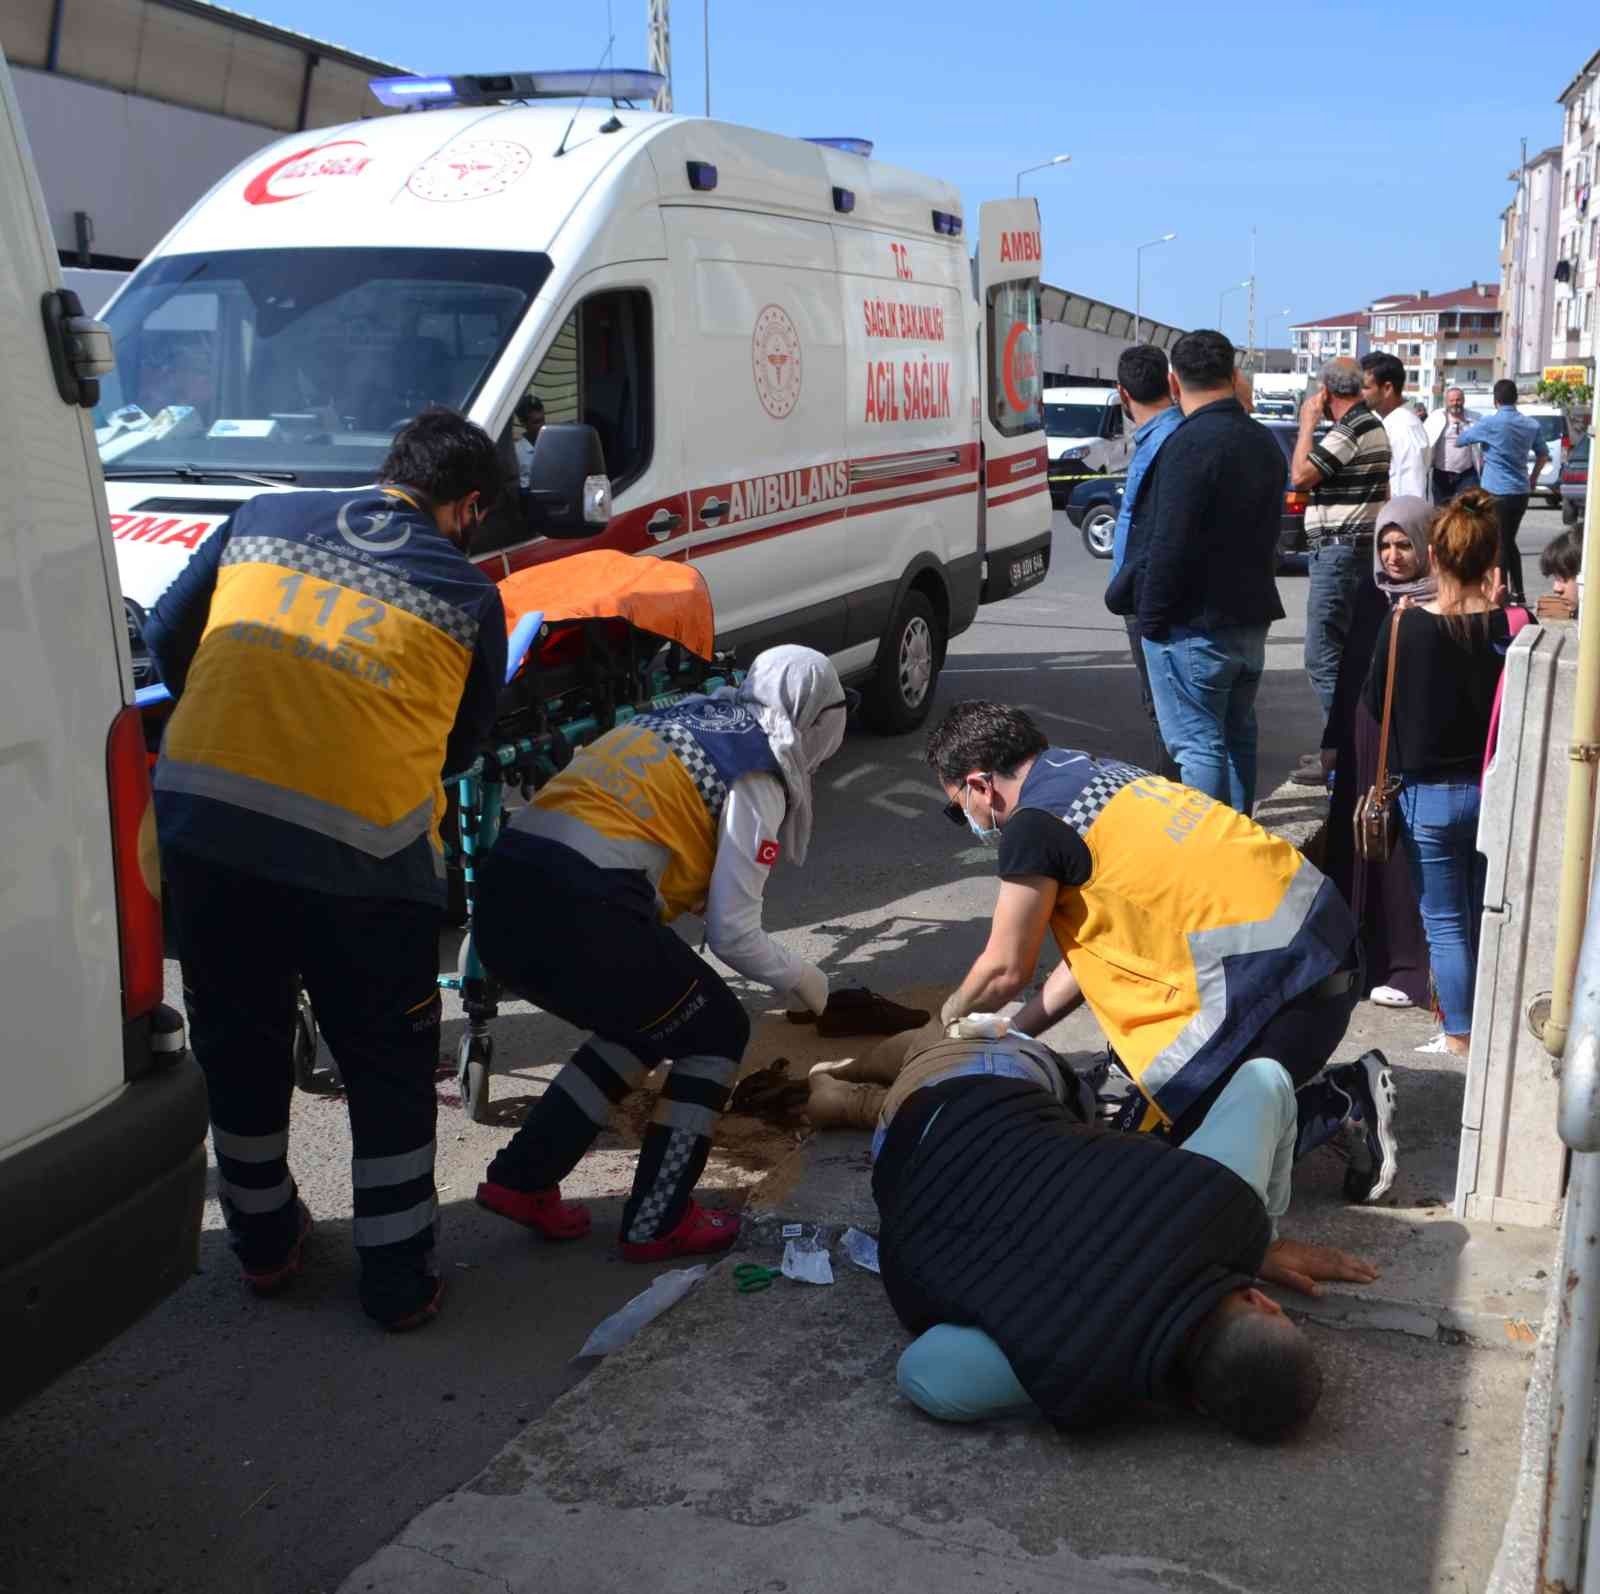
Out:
{"x": 682, "y": 810}
{"x": 1381, "y": 895}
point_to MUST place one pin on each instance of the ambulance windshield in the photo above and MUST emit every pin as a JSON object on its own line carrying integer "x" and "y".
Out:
{"x": 300, "y": 363}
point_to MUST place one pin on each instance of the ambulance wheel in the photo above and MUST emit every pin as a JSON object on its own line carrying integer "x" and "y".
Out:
{"x": 304, "y": 1044}
{"x": 898, "y": 697}
{"x": 475, "y": 1058}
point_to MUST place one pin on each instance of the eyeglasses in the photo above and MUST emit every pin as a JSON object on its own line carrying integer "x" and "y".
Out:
{"x": 956, "y": 809}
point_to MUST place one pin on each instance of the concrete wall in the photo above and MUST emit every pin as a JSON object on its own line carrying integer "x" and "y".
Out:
{"x": 134, "y": 165}
{"x": 1512, "y": 1166}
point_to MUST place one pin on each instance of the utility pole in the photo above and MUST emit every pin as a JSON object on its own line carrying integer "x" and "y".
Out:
{"x": 660, "y": 44}
{"x": 705, "y": 36}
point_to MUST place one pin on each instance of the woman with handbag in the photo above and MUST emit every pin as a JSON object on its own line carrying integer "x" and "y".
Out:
{"x": 1380, "y": 894}
{"x": 1435, "y": 671}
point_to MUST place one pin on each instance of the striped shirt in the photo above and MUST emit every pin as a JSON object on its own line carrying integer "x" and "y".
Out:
{"x": 1352, "y": 457}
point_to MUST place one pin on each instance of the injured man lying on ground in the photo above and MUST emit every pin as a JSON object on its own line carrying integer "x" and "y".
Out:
{"x": 1050, "y": 1266}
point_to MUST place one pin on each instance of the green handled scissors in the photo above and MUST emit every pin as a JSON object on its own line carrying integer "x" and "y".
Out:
{"x": 749, "y": 1277}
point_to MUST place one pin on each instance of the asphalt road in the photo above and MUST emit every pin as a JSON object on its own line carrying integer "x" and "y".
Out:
{"x": 270, "y": 1447}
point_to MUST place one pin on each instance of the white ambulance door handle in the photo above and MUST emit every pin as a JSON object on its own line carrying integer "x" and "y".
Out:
{"x": 713, "y": 509}
{"x": 663, "y": 523}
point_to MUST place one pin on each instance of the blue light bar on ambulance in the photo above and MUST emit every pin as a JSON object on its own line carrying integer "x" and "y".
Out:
{"x": 492, "y": 88}
{"x": 399, "y": 92}
{"x": 945, "y": 223}
{"x": 850, "y": 146}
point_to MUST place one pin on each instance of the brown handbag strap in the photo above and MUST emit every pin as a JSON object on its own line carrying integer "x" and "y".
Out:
{"x": 1388, "y": 702}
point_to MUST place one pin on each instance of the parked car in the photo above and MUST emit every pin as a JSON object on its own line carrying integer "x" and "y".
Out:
{"x": 1557, "y": 437}
{"x": 1092, "y": 507}
{"x": 1292, "y": 526}
{"x": 1085, "y": 435}
{"x": 102, "y": 1108}
{"x": 1575, "y": 482}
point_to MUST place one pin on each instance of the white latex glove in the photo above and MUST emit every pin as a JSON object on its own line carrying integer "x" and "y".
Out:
{"x": 979, "y": 1027}
{"x": 810, "y": 991}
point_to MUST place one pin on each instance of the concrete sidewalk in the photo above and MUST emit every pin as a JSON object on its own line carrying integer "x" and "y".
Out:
{"x": 758, "y": 1443}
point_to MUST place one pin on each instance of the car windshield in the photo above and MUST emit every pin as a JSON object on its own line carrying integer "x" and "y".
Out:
{"x": 299, "y": 363}
{"x": 1073, "y": 420}
{"x": 1551, "y": 426}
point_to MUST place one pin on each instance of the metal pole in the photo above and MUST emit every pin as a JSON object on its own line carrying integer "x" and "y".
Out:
{"x": 1578, "y": 1326}
{"x": 1138, "y": 289}
{"x": 705, "y": 28}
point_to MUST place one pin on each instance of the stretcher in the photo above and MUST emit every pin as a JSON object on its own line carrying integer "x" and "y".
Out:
{"x": 593, "y": 640}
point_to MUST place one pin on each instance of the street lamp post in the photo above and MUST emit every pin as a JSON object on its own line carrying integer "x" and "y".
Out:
{"x": 1055, "y": 160}
{"x": 1222, "y": 297}
{"x": 1138, "y": 276}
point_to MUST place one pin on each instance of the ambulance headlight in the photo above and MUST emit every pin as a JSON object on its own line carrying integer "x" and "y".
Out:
{"x": 597, "y": 500}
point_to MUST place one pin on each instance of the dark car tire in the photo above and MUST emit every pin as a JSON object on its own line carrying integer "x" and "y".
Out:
{"x": 899, "y": 695}
{"x": 1571, "y": 512}
{"x": 1098, "y": 530}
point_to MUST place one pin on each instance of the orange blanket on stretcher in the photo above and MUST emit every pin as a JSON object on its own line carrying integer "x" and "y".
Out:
{"x": 667, "y": 600}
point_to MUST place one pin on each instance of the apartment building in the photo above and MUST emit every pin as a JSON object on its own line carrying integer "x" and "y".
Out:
{"x": 1444, "y": 340}
{"x": 1312, "y": 342}
{"x": 1574, "y": 275}
{"x": 1529, "y": 233}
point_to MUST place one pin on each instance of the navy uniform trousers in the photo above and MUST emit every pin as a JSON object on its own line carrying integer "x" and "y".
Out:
{"x": 371, "y": 969}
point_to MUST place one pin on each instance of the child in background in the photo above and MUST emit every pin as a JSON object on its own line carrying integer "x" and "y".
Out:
{"x": 1558, "y": 564}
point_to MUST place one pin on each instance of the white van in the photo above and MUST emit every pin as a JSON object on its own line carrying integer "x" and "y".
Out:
{"x": 102, "y": 1110}
{"x": 797, "y": 379}
{"x": 1085, "y": 435}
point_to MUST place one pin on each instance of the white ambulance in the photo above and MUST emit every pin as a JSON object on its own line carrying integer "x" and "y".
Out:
{"x": 797, "y": 377}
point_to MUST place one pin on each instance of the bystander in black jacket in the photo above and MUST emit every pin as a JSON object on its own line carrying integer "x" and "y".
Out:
{"x": 1205, "y": 547}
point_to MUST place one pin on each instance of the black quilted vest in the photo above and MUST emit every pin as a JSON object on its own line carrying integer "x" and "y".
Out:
{"x": 1088, "y": 1255}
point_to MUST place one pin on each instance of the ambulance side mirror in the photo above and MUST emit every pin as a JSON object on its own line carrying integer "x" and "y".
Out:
{"x": 568, "y": 493}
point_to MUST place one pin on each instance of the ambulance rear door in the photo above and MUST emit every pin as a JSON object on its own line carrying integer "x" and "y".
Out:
{"x": 1016, "y": 498}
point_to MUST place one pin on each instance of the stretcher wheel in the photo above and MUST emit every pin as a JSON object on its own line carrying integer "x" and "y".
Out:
{"x": 475, "y": 1058}
{"x": 304, "y": 1045}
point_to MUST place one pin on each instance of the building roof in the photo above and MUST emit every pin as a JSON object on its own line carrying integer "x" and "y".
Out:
{"x": 1351, "y": 318}
{"x": 1476, "y": 296}
{"x": 245, "y": 23}
{"x": 1582, "y": 77}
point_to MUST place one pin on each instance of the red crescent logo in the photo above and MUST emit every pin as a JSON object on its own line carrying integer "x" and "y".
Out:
{"x": 1008, "y": 367}
{"x": 256, "y": 191}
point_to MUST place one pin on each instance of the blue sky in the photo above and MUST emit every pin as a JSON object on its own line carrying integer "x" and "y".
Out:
{"x": 1368, "y": 144}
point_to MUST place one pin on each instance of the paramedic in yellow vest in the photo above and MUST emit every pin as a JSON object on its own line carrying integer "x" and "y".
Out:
{"x": 332, "y": 653}
{"x": 684, "y": 810}
{"x": 1198, "y": 940}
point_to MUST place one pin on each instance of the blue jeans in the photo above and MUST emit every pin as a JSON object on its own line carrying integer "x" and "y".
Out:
{"x": 961, "y": 1375}
{"x": 1439, "y": 829}
{"x": 1204, "y": 684}
{"x": 1336, "y": 573}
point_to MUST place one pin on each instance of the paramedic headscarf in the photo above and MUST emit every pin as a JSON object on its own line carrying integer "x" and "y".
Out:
{"x": 795, "y": 694}
{"x": 1413, "y": 516}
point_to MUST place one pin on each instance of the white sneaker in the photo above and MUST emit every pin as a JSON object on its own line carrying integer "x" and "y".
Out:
{"x": 1388, "y": 996}
{"x": 1438, "y": 1046}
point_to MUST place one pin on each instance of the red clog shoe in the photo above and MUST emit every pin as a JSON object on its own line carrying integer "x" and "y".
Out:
{"x": 699, "y": 1232}
{"x": 541, "y": 1210}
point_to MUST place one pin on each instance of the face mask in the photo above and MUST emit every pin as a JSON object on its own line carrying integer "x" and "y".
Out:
{"x": 989, "y": 837}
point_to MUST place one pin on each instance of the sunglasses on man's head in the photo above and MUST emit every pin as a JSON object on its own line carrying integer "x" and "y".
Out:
{"x": 956, "y": 810}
